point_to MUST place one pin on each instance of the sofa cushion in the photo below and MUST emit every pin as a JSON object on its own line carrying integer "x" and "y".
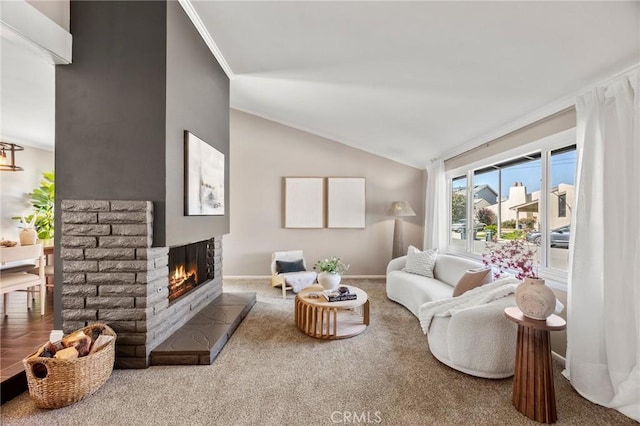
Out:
{"x": 449, "y": 269}
{"x": 412, "y": 291}
{"x": 421, "y": 262}
{"x": 476, "y": 341}
{"x": 473, "y": 278}
{"x": 283, "y": 266}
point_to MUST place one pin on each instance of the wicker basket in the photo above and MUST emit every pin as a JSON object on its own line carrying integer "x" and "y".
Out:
{"x": 68, "y": 381}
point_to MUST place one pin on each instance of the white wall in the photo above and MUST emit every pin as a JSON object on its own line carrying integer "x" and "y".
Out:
{"x": 56, "y": 10}
{"x": 15, "y": 187}
{"x": 263, "y": 152}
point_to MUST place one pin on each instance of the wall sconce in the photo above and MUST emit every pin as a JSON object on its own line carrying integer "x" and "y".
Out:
{"x": 399, "y": 209}
{"x": 8, "y": 164}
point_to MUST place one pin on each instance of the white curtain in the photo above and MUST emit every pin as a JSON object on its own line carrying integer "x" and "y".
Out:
{"x": 436, "y": 221}
{"x": 603, "y": 325}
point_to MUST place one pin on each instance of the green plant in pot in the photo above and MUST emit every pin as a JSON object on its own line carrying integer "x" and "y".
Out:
{"x": 330, "y": 272}
{"x": 42, "y": 200}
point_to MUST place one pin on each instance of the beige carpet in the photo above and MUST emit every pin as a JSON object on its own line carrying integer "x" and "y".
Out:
{"x": 271, "y": 374}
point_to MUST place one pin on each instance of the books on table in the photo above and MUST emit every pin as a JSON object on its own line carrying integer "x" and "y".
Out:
{"x": 335, "y": 296}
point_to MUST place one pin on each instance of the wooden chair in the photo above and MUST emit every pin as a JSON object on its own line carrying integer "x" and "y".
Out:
{"x": 302, "y": 279}
{"x": 22, "y": 281}
{"x": 49, "y": 272}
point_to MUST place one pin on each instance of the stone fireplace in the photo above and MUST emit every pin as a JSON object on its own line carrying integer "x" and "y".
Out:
{"x": 112, "y": 274}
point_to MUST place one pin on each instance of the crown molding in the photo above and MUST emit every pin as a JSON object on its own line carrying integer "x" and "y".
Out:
{"x": 206, "y": 36}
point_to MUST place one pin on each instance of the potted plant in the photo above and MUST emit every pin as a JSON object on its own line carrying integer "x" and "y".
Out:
{"x": 330, "y": 272}
{"x": 534, "y": 298}
{"x": 42, "y": 200}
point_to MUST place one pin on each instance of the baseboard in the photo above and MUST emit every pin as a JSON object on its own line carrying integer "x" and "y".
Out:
{"x": 246, "y": 277}
{"x": 559, "y": 358}
{"x": 268, "y": 277}
{"x": 364, "y": 277}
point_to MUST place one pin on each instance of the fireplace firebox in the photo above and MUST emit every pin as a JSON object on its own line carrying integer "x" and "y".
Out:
{"x": 190, "y": 265}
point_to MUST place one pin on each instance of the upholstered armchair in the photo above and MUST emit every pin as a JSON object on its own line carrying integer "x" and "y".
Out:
{"x": 289, "y": 271}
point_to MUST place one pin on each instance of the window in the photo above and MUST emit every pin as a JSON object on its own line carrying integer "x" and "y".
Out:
{"x": 514, "y": 210}
{"x": 526, "y": 195}
{"x": 562, "y": 170}
{"x": 458, "y": 212}
{"x": 562, "y": 205}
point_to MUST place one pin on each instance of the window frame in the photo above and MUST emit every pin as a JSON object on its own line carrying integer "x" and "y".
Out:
{"x": 545, "y": 146}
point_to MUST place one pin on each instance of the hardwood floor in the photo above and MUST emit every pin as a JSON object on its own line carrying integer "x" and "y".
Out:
{"x": 22, "y": 331}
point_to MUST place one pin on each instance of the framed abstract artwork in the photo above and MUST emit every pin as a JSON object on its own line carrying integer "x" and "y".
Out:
{"x": 203, "y": 178}
{"x": 346, "y": 202}
{"x": 304, "y": 202}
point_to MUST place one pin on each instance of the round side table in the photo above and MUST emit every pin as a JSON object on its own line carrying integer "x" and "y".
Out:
{"x": 533, "y": 391}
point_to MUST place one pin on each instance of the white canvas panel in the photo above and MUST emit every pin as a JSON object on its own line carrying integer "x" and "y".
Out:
{"x": 346, "y": 203}
{"x": 304, "y": 203}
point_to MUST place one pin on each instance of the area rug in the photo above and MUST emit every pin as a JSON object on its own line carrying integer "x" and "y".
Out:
{"x": 270, "y": 373}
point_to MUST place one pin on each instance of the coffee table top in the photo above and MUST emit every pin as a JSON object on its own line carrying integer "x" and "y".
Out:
{"x": 320, "y": 301}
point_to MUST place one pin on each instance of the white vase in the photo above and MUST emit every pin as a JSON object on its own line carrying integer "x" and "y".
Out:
{"x": 535, "y": 299}
{"x": 329, "y": 280}
{"x": 28, "y": 237}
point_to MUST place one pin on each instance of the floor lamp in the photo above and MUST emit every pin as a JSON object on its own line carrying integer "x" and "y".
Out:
{"x": 399, "y": 209}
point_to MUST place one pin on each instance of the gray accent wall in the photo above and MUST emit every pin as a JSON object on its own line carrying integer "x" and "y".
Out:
{"x": 198, "y": 101}
{"x": 110, "y": 106}
{"x": 140, "y": 76}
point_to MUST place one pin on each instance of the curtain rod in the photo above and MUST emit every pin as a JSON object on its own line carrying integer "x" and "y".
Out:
{"x": 492, "y": 141}
{"x": 584, "y": 89}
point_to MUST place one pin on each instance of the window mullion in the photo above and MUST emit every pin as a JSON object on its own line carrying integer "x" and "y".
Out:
{"x": 470, "y": 218}
{"x": 543, "y": 213}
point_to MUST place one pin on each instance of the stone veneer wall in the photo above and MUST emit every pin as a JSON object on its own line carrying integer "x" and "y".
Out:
{"x": 112, "y": 274}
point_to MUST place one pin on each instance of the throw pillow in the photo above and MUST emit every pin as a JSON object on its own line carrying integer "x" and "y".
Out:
{"x": 473, "y": 278}
{"x": 421, "y": 262}
{"x": 412, "y": 249}
{"x": 282, "y": 266}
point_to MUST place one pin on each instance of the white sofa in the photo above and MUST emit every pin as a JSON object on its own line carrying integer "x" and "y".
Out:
{"x": 478, "y": 340}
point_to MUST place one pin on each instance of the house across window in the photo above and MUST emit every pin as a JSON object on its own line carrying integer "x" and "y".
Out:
{"x": 562, "y": 205}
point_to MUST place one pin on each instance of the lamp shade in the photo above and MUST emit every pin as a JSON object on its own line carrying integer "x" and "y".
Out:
{"x": 400, "y": 208}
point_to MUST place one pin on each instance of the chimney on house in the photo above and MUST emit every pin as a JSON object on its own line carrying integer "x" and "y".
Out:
{"x": 517, "y": 194}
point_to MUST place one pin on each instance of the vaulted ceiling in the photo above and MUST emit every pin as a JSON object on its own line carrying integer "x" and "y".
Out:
{"x": 411, "y": 81}
{"x": 408, "y": 81}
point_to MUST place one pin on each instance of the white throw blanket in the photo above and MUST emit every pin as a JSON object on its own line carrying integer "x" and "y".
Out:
{"x": 475, "y": 297}
{"x": 299, "y": 280}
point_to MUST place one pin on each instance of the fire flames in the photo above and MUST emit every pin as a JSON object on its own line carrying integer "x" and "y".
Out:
{"x": 181, "y": 281}
{"x": 181, "y": 276}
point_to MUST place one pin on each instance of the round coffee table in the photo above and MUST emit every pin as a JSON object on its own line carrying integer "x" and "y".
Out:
{"x": 318, "y": 318}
